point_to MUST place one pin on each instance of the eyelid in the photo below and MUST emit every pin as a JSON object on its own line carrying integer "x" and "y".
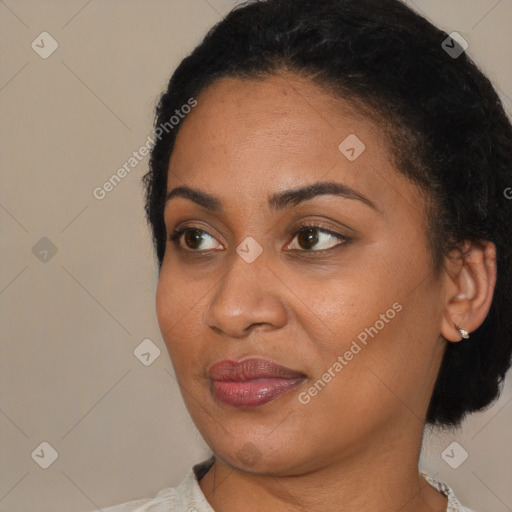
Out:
{"x": 343, "y": 239}
{"x": 178, "y": 232}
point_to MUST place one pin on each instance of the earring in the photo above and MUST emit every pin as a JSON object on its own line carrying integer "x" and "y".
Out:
{"x": 462, "y": 332}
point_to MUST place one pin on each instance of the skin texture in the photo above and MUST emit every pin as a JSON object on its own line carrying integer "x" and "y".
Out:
{"x": 356, "y": 444}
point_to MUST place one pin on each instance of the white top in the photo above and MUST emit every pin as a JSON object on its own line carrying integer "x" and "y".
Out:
{"x": 188, "y": 496}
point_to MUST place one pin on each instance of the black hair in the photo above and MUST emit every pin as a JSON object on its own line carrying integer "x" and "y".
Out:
{"x": 446, "y": 126}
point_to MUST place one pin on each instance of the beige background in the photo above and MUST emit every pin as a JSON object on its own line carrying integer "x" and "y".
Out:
{"x": 70, "y": 324}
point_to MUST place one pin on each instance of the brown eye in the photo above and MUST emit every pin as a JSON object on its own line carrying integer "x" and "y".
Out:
{"x": 192, "y": 237}
{"x": 310, "y": 236}
{"x": 307, "y": 238}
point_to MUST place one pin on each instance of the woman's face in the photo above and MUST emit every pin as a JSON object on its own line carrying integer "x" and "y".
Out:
{"x": 350, "y": 308}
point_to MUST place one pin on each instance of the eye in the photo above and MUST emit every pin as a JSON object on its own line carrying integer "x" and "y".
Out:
{"x": 308, "y": 237}
{"x": 193, "y": 238}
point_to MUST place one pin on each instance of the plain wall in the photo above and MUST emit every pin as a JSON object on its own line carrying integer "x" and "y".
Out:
{"x": 72, "y": 320}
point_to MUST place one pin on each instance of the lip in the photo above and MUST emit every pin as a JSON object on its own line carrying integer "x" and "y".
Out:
{"x": 251, "y": 382}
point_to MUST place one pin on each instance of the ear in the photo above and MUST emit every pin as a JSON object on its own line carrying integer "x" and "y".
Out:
{"x": 470, "y": 279}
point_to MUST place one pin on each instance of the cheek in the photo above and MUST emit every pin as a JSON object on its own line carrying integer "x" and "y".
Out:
{"x": 165, "y": 302}
{"x": 179, "y": 310}
{"x": 171, "y": 309}
{"x": 373, "y": 310}
{"x": 388, "y": 349}
{"x": 351, "y": 300}
{"x": 175, "y": 295}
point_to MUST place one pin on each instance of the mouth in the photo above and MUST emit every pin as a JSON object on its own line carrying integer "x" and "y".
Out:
{"x": 251, "y": 382}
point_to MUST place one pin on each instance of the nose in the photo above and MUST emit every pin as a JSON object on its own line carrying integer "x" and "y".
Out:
{"x": 248, "y": 297}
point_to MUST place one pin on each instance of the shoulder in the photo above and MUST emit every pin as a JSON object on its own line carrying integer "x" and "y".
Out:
{"x": 165, "y": 500}
{"x": 184, "y": 498}
{"x": 454, "y": 504}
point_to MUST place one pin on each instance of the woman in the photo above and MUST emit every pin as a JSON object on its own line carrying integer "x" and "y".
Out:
{"x": 331, "y": 225}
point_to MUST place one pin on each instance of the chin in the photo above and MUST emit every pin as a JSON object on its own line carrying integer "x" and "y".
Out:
{"x": 263, "y": 458}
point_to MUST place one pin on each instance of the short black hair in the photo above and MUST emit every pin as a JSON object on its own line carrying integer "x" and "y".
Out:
{"x": 446, "y": 126}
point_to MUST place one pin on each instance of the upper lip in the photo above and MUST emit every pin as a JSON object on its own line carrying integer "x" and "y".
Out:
{"x": 250, "y": 369}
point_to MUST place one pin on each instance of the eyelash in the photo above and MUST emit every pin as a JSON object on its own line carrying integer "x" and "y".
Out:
{"x": 175, "y": 236}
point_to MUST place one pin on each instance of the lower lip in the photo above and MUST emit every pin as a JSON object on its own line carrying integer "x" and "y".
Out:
{"x": 253, "y": 392}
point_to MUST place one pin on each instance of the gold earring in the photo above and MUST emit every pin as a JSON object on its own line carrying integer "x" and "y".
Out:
{"x": 462, "y": 332}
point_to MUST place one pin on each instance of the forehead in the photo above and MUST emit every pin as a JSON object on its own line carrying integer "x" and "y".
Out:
{"x": 283, "y": 112}
{"x": 259, "y": 136}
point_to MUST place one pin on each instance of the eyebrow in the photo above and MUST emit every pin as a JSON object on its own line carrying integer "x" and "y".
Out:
{"x": 279, "y": 200}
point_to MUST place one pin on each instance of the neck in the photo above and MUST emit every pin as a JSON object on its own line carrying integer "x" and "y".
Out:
{"x": 383, "y": 477}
